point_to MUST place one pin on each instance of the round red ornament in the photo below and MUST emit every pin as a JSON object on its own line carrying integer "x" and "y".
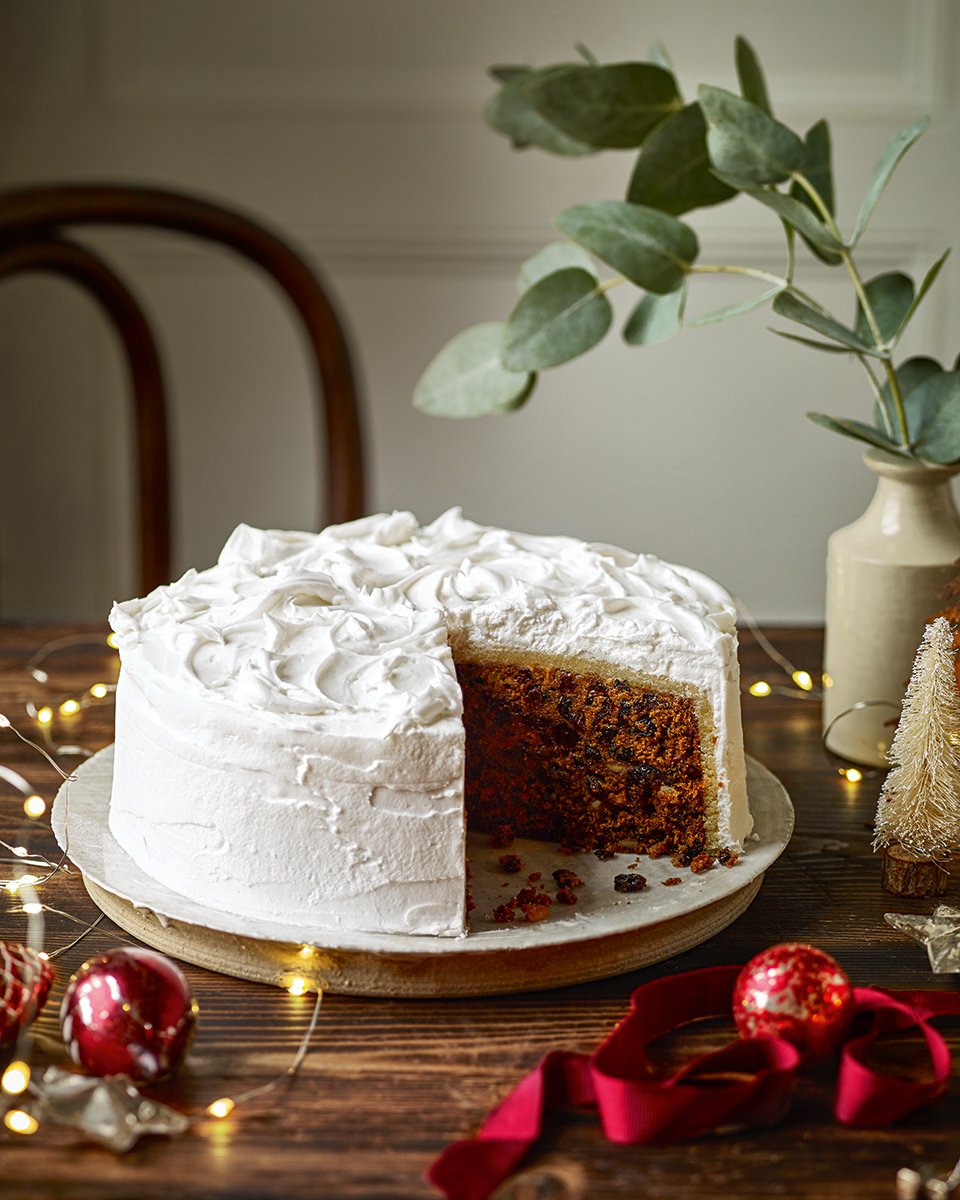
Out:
{"x": 795, "y": 992}
{"x": 25, "y": 980}
{"x": 128, "y": 1012}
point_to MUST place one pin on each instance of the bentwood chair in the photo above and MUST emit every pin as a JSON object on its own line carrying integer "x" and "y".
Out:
{"x": 36, "y": 234}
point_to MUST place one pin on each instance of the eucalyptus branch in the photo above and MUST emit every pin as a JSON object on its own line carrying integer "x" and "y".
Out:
{"x": 691, "y": 156}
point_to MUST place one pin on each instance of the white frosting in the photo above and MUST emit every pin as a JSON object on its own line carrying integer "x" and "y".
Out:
{"x": 289, "y": 742}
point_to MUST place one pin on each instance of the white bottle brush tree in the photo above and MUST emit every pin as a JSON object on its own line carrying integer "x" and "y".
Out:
{"x": 919, "y": 804}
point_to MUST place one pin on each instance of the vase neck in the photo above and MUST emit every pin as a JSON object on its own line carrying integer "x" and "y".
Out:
{"x": 909, "y": 471}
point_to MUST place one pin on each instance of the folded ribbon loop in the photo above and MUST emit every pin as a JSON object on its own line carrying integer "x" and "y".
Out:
{"x": 869, "y": 1098}
{"x": 747, "y": 1082}
{"x": 715, "y": 1089}
{"x": 744, "y": 1082}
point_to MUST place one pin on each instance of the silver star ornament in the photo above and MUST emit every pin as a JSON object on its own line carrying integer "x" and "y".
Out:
{"x": 109, "y": 1109}
{"x": 940, "y": 933}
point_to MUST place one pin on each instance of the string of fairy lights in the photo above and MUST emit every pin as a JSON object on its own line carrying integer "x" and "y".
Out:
{"x": 806, "y": 688}
{"x": 32, "y": 869}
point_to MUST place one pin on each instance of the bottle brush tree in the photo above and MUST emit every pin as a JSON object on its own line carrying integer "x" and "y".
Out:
{"x": 919, "y": 804}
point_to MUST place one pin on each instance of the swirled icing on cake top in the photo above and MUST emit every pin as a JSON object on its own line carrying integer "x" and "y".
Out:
{"x": 354, "y": 620}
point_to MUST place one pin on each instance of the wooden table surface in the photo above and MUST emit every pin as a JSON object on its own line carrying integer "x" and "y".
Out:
{"x": 388, "y": 1083}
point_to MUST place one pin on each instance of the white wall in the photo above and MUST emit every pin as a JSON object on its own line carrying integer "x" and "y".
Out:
{"x": 355, "y": 127}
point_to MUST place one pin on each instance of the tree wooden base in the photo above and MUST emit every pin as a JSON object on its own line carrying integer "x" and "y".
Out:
{"x": 907, "y": 874}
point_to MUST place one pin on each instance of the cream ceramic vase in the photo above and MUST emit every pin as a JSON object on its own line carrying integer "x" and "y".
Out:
{"x": 885, "y": 576}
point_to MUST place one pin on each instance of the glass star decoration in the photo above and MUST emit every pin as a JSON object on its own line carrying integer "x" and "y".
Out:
{"x": 940, "y": 933}
{"x": 109, "y": 1109}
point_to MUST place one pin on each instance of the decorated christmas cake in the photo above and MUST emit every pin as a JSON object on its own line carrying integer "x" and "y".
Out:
{"x": 306, "y": 730}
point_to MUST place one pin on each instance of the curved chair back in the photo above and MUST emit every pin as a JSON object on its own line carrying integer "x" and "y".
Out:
{"x": 35, "y": 225}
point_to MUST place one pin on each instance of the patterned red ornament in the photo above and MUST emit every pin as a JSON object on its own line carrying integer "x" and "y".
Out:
{"x": 25, "y": 980}
{"x": 795, "y": 992}
{"x": 128, "y": 1012}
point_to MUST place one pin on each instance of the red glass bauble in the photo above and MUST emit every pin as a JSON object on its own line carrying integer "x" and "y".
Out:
{"x": 128, "y": 1012}
{"x": 25, "y": 980}
{"x": 795, "y": 992}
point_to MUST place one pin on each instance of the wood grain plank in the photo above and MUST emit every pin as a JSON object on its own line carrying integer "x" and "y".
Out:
{"x": 389, "y": 1082}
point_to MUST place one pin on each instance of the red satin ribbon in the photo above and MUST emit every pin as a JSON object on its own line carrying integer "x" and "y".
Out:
{"x": 747, "y": 1082}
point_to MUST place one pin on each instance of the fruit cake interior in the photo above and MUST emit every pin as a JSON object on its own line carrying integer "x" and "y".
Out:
{"x": 586, "y": 755}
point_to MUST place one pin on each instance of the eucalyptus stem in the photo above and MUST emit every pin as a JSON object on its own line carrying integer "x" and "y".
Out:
{"x": 902, "y": 431}
{"x": 730, "y": 269}
{"x": 845, "y": 256}
{"x": 897, "y": 397}
{"x": 819, "y": 203}
{"x": 766, "y": 276}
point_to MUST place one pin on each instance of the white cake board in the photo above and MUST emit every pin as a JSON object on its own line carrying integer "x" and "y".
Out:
{"x": 606, "y": 933}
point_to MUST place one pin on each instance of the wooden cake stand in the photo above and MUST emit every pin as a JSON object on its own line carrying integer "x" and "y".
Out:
{"x": 607, "y": 933}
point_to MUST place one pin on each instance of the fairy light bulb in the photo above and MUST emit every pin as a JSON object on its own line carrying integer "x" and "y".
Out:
{"x": 760, "y": 688}
{"x": 70, "y": 708}
{"x": 221, "y": 1108}
{"x": 44, "y": 715}
{"x": 112, "y": 641}
{"x": 99, "y": 690}
{"x": 803, "y": 680}
{"x": 298, "y": 986}
{"x": 15, "y": 1079}
{"x": 851, "y": 774}
{"x": 35, "y": 806}
{"x": 18, "y": 1121}
{"x": 28, "y": 880}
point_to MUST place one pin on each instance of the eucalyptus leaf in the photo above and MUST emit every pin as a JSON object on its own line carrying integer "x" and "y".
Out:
{"x": 817, "y": 167}
{"x": 652, "y": 249}
{"x": 559, "y": 318}
{"x": 910, "y": 375}
{"x": 810, "y": 227}
{"x": 936, "y": 403}
{"x": 753, "y": 86}
{"x": 608, "y": 107}
{"x": 553, "y": 257}
{"x": 895, "y": 149}
{"x": 655, "y": 318}
{"x": 467, "y": 379}
{"x": 747, "y": 147}
{"x": 856, "y": 429}
{"x": 818, "y": 171}
{"x": 735, "y": 310}
{"x": 925, "y": 285}
{"x": 659, "y": 55}
{"x": 512, "y": 111}
{"x": 813, "y": 343}
{"x": 890, "y": 296}
{"x": 673, "y": 171}
{"x": 789, "y": 306}
{"x": 505, "y": 72}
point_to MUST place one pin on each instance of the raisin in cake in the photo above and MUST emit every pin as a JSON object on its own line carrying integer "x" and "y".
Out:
{"x": 305, "y": 730}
